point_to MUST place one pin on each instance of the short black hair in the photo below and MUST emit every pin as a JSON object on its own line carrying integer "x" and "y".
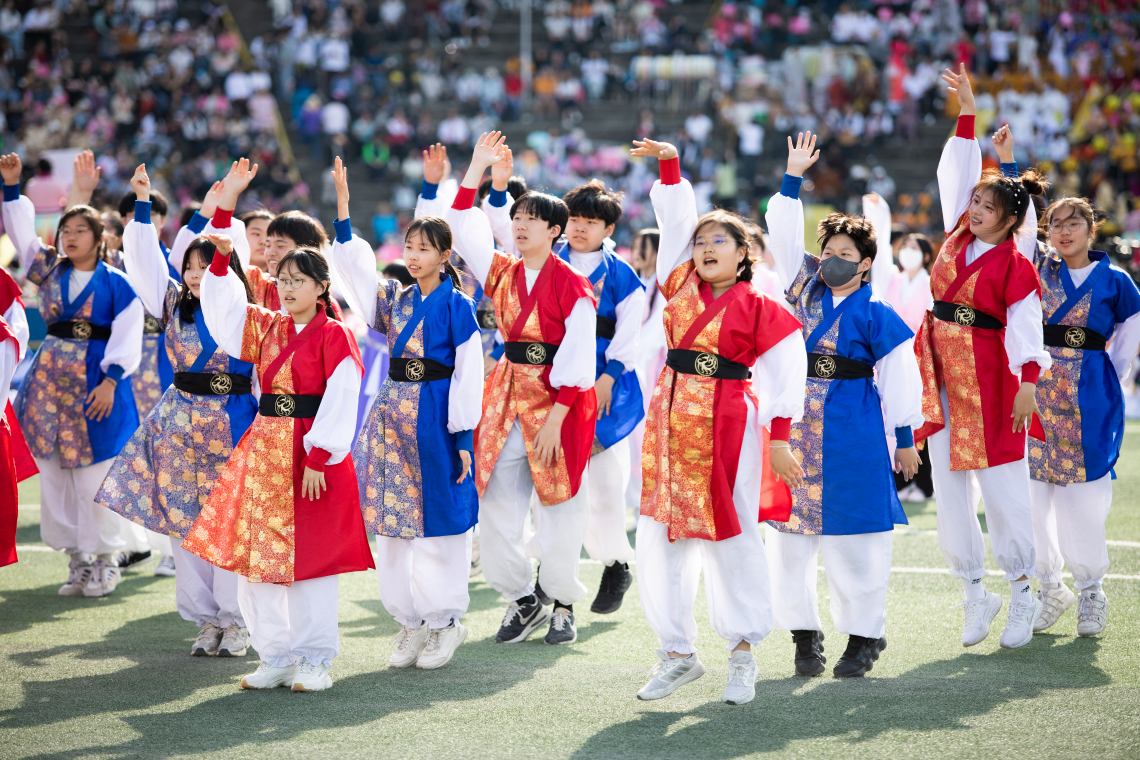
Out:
{"x": 188, "y": 213}
{"x": 299, "y": 227}
{"x": 43, "y": 166}
{"x": 257, "y": 213}
{"x": 546, "y": 207}
{"x": 397, "y": 270}
{"x": 516, "y": 186}
{"x": 858, "y": 228}
{"x": 158, "y": 204}
{"x": 593, "y": 201}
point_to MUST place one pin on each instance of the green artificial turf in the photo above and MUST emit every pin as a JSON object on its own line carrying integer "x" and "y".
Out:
{"x": 113, "y": 678}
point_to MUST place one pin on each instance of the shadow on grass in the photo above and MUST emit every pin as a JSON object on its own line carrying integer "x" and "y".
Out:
{"x": 936, "y": 696}
{"x": 381, "y": 624}
{"x": 25, "y": 608}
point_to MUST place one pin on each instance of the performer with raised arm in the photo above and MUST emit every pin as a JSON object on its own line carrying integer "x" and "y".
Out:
{"x": 735, "y": 365}
{"x": 9, "y": 491}
{"x": 75, "y": 405}
{"x": 12, "y": 310}
{"x": 539, "y": 405}
{"x": 983, "y": 333}
{"x": 285, "y": 511}
{"x": 164, "y": 474}
{"x": 216, "y": 216}
{"x": 413, "y": 457}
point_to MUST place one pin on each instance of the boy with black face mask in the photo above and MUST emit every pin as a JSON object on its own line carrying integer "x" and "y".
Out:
{"x": 847, "y": 505}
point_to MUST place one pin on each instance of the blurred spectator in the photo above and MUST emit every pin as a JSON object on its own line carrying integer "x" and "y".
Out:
{"x": 48, "y": 195}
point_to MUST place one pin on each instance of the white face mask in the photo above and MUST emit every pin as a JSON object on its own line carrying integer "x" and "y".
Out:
{"x": 910, "y": 258}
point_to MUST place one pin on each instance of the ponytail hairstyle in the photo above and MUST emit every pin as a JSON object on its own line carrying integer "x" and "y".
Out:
{"x": 737, "y": 228}
{"x": 94, "y": 221}
{"x": 437, "y": 233}
{"x": 1011, "y": 197}
{"x": 204, "y": 250}
{"x": 311, "y": 262}
{"x": 1094, "y": 217}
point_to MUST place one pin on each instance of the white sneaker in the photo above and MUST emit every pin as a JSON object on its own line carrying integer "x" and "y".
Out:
{"x": 104, "y": 578}
{"x": 78, "y": 574}
{"x": 234, "y": 641}
{"x": 165, "y": 567}
{"x": 1019, "y": 624}
{"x": 912, "y": 494}
{"x": 409, "y": 643}
{"x": 311, "y": 677}
{"x": 1092, "y": 611}
{"x": 979, "y": 615}
{"x": 742, "y": 672}
{"x": 269, "y": 677}
{"x": 669, "y": 674}
{"x": 206, "y": 645}
{"x": 441, "y": 646}
{"x": 1054, "y": 602}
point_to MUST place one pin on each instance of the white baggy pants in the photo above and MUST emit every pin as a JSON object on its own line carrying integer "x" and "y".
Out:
{"x": 858, "y": 570}
{"x": 1005, "y": 492}
{"x": 141, "y": 540}
{"x": 287, "y": 623}
{"x": 736, "y": 571}
{"x": 424, "y": 579}
{"x": 204, "y": 593}
{"x": 559, "y": 531}
{"x": 70, "y": 520}
{"x": 606, "y": 539}
{"x": 1068, "y": 528}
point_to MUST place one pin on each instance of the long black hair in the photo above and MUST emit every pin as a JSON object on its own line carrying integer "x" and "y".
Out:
{"x": 311, "y": 262}
{"x": 438, "y": 235}
{"x": 204, "y": 250}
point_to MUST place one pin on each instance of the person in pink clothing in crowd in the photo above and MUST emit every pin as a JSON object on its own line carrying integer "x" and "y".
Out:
{"x": 49, "y": 197}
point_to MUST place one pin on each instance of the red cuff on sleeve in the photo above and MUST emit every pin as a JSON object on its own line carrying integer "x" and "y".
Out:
{"x": 223, "y": 217}
{"x": 566, "y": 395}
{"x": 781, "y": 428}
{"x": 670, "y": 171}
{"x": 464, "y": 199}
{"x": 965, "y": 127}
{"x": 220, "y": 265}
{"x": 1030, "y": 371}
{"x": 317, "y": 459}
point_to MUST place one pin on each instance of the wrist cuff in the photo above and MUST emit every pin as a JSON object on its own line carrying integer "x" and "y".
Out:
{"x": 343, "y": 229}
{"x": 196, "y": 224}
{"x": 317, "y": 459}
{"x": 465, "y": 441}
{"x": 142, "y": 212}
{"x": 115, "y": 372}
{"x": 614, "y": 369}
{"x": 791, "y": 186}
{"x": 566, "y": 395}
{"x": 12, "y": 192}
{"x": 497, "y": 198}
{"x": 220, "y": 265}
{"x": 428, "y": 190}
{"x": 498, "y": 350}
{"x": 1009, "y": 170}
{"x": 904, "y": 437}
{"x": 464, "y": 199}
{"x": 670, "y": 171}
{"x": 223, "y": 218}
{"x": 781, "y": 428}
{"x": 1030, "y": 371}
{"x": 965, "y": 128}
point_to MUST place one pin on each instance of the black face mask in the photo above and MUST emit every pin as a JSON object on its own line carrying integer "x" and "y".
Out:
{"x": 838, "y": 272}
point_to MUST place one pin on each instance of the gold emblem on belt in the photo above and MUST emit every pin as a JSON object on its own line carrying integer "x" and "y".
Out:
{"x": 964, "y": 316}
{"x": 706, "y": 364}
{"x": 221, "y": 384}
{"x": 825, "y": 367}
{"x": 151, "y": 325}
{"x": 81, "y": 329}
{"x": 1075, "y": 337}
{"x": 414, "y": 370}
{"x": 284, "y": 406}
{"x": 536, "y": 353}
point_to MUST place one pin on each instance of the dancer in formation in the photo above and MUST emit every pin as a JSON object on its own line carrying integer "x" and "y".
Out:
{"x": 12, "y": 310}
{"x": 539, "y": 405}
{"x": 285, "y": 512}
{"x": 164, "y": 474}
{"x": 9, "y": 491}
{"x": 216, "y": 216}
{"x": 984, "y": 331}
{"x": 76, "y": 405}
{"x": 736, "y": 364}
{"x": 863, "y": 383}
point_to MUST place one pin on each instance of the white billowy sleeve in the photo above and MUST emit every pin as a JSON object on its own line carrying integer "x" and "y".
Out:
{"x": 8, "y": 362}
{"x": 1026, "y": 236}
{"x": 146, "y": 266}
{"x": 356, "y": 264}
{"x": 785, "y": 219}
{"x": 224, "y": 309}
{"x": 1025, "y": 336}
{"x": 471, "y": 237}
{"x": 900, "y": 388}
{"x": 186, "y": 236}
{"x": 17, "y": 319}
{"x": 430, "y": 206}
{"x": 627, "y": 333}
{"x": 124, "y": 347}
{"x": 335, "y": 424}
{"x": 574, "y": 364}
{"x": 465, "y": 399}
{"x": 883, "y": 268}
{"x": 676, "y": 209}
{"x": 20, "y": 224}
{"x": 959, "y": 170}
{"x": 779, "y": 379}
{"x": 500, "y": 219}
{"x": 1125, "y": 340}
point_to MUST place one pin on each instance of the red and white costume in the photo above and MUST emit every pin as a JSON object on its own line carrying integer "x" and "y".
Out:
{"x": 9, "y": 493}
{"x": 12, "y": 309}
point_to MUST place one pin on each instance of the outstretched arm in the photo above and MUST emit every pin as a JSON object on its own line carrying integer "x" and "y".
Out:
{"x": 19, "y": 213}
{"x": 960, "y": 167}
{"x": 352, "y": 256}
{"x": 674, "y": 205}
{"x": 470, "y": 231}
{"x": 142, "y": 256}
{"x": 85, "y": 178}
{"x": 785, "y": 214}
{"x": 224, "y": 299}
{"x": 883, "y": 269}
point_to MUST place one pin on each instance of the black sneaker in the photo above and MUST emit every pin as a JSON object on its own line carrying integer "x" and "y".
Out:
{"x": 809, "y": 652}
{"x": 543, "y": 597}
{"x": 616, "y": 580}
{"x": 858, "y": 658}
{"x": 562, "y": 629}
{"x": 523, "y": 616}
{"x": 125, "y": 559}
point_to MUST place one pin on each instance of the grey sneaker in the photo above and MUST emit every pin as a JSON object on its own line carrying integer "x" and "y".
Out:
{"x": 78, "y": 574}
{"x": 1092, "y": 612}
{"x": 104, "y": 579}
{"x": 234, "y": 641}
{"x": 669, "y": 674}
{"x": 1054, "y": 603}
{"x": 206, "y": 645}
{"x": 165, "y": 567}
{"x": 742, "y": 672}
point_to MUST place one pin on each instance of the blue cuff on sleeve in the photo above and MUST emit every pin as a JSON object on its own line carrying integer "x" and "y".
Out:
{"x": 142, "y": 212}
{"x": 465, "y": 441}
{"x": 791, "y": 186}
{"x": 904, "y": 437}
{"x": 428, "y": 190}
{"x": 343, "y": 229}
{"x": 12, "y": 192}
{"x": 614, "y": 369}
{"x": 1010, "y": 170}
{"x": 196, "y": 224}
{"x": 497, "y": 198}
{"x": 115, "y": 372}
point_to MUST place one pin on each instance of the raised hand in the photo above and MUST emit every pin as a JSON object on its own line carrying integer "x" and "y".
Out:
{"x": 435, "y": 163}
{"x": 238, "y": 179}
{"x": 647, "y": 148}
{"x": 223, "y": 243}
{"x": 959, "y": 85}
{"x": 140, "y": 183}
{"x": 87, "y": 174}
{"x": 489, "y": 149}
{"x": 213, "y": 197}
{"x": 502, "y": 172}
{"x": 802, "y": 155}
{"x": 1003, "y": 144}
{"x": 11, "y": 168}
{"x": 340, "y": 179}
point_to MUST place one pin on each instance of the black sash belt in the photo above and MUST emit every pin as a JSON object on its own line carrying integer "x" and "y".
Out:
{"x": 79, "y": 329}
{"x": 521, "y": 352}
{"x": 151, "y": 326}
{"x": 418, "y": 370}
{"x": 706, "y": 365}
{"x": 828, "y": 367}
{"x": 486, "y": 319}
{"x": 1069, "y": 336}
{"x": 965, "y": 316}
{"x": 288, "y": 405}
{"x": 606, "y": 328}
{"x": 211, "y": 384}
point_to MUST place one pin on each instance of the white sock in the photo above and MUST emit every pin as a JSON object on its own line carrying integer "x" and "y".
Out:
{"x": 1021, "y": 591}
{"x": 975, "y": 591}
